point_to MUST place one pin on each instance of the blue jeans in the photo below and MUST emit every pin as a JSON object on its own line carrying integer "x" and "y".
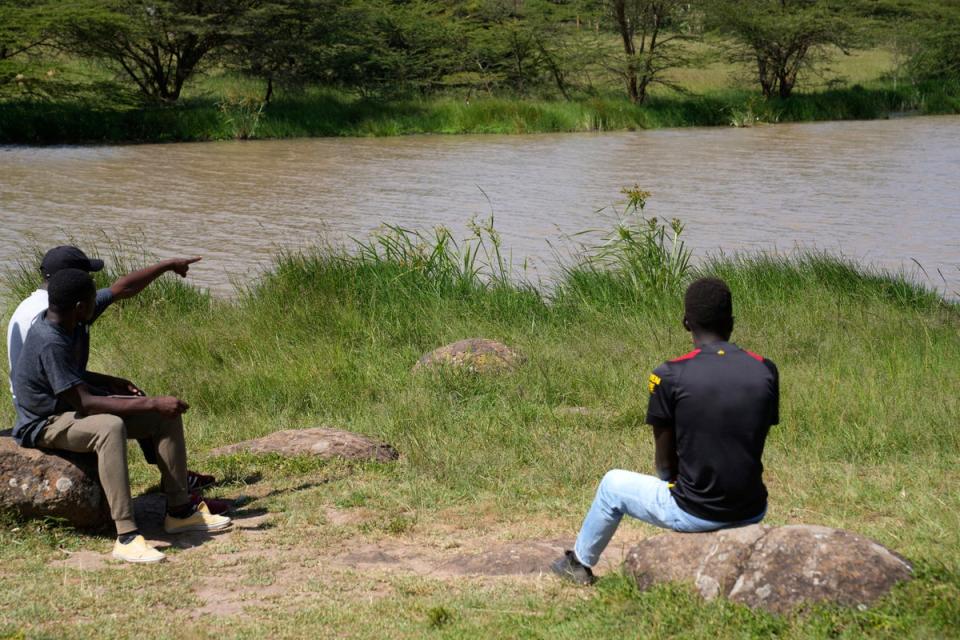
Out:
{"x": 644, "y": 497}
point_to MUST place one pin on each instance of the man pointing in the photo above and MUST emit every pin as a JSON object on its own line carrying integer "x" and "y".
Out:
{"x": 127, "y": 286}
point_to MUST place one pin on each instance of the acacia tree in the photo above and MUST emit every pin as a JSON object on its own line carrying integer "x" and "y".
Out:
{"x": 785, "y": 37}
{"x": 289, "y": 42}
{"x": 652, "y": 32}
{"x": 157, "y": 44}
{"x": 936, "y": 37}
{"x": 23, "y": 27}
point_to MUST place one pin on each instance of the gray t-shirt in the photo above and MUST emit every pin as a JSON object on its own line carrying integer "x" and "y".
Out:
{"x": 47, "y": 367}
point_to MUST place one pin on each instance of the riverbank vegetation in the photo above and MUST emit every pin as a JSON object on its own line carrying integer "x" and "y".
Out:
{"x": 869, "y": 362}
{"x": 115, "y": 71}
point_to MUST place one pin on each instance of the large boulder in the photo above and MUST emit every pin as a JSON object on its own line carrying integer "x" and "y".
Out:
{"x": 774, "y": 568}
{"x": 321, "y": 442}
{"x": 474, "y": 354}
{"x": 39, "y": 483}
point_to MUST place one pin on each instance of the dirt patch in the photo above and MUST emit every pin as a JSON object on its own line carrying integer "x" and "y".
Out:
{"x": 87, "y": 561}
{"x": 468, "y": 557}
{"x": 344, "y": 518}
{"x": 230, "y": 595}
{"x": 252, "y": 566}
{"x": 229, "y": 590}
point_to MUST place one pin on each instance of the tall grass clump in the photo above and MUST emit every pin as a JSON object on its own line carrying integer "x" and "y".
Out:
{"x": 405, "y": 265}
{"x": 641, "y": 261}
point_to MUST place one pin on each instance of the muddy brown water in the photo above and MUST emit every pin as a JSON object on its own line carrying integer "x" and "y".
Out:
{"x": 883, "y": 192}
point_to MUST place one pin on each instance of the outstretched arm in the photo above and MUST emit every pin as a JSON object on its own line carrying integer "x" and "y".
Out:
{"x": 135, "y": 282}
{"x": 665, "y": 454}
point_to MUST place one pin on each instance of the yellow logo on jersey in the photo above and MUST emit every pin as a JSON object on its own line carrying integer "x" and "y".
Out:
{"x": 654, "y": 381}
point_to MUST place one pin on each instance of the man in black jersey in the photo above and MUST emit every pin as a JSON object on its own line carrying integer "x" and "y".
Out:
{"x": 710, "y": 411}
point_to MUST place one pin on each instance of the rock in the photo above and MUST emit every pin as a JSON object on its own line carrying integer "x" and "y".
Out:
{"x": 807, "y": 563}
{"x": 712, "y": 561}
{"x": 774, "y": 568}
{"x": 39, "y": 483}
{"x": 474, "y": 354}
{"x": 321, "y": 442}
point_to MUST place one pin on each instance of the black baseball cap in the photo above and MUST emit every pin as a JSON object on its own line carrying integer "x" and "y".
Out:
{"x": 67, "y": 257}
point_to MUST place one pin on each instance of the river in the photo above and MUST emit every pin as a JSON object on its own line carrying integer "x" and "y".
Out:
{"x": 886, "y": 192}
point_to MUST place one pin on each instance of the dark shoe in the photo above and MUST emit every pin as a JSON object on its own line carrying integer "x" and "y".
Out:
{"x": 199, "y": 481}
{"x": 216, "y": 507}
{"x": 200, "y": 520}
{"x": 569, "y": 568}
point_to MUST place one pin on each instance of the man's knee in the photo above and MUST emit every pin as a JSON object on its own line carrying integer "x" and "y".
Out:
{"x": 111, "y": 430}
{"x": 615, "y": 483}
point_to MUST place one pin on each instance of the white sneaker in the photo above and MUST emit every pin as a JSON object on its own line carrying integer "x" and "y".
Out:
{"x": 137, "y": 550}
{"x": 200, "y": 520}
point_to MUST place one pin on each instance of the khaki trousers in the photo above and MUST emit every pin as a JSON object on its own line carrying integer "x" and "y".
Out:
{"x": 106, "y": 435}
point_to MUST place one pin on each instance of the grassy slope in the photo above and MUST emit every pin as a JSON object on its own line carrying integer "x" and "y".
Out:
{"x": 222, "y": 107}
{"x": 868, "y": 442}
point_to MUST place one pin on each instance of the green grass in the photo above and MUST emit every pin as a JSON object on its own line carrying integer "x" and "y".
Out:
{"x": 88, "y": 107}
{"x": 869, "y": 362}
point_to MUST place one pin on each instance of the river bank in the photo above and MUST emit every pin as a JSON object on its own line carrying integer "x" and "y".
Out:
{"x": 869, "y": 365}
{"x": 318, "y": 113}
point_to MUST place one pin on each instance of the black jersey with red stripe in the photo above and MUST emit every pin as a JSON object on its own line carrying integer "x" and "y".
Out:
{"x": 721, "y": 401}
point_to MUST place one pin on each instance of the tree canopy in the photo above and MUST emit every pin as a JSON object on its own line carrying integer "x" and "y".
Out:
{"x": 521, "y": 47}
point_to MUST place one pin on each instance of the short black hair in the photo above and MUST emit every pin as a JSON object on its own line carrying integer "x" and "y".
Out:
{"x": 68, "y": 287}
{"x": 708, "y": 305}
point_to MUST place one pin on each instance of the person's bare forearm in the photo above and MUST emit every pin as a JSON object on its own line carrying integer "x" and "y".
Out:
{"x": 81, "y": 399}
{"x": 112, "y": 385}
{"x": 118, "y": 405}
{"x": 666, "y": 469}
{"x": 99, "y": 380}
{"x": 665, "y": 454}
{"x": 136, "y": 281}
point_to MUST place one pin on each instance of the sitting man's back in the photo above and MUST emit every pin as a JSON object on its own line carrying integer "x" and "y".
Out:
{"x": 710, "y": 411}
{"x": 720, "y": 401}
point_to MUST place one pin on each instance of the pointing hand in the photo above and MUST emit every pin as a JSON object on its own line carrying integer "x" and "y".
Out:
{"x": 181, "y": 266}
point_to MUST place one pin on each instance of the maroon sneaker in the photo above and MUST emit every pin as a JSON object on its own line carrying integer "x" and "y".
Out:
{"x": 199, "y": 481}
{"x": 216, "y": 507}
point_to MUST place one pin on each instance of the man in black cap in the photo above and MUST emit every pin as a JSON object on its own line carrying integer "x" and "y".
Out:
{"x": 27, "y": 312}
